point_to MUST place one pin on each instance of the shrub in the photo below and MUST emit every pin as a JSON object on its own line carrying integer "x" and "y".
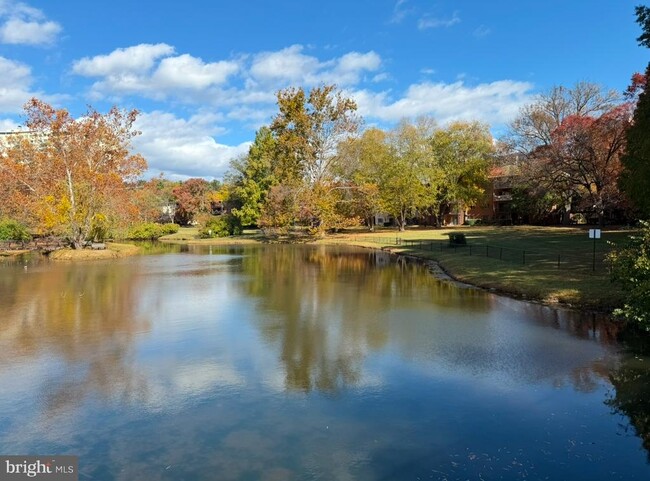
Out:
{"x": 150, "y": 231}
{"x": 631, "y": 269}
{"x": 169, "y": 229}
{"x": 221, "y": 226}
{"x": 99, "y": 228}
{"x": 13, "y": 230}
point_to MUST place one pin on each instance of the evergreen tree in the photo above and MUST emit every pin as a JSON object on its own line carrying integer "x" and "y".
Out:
{"x": 635, "y": 179}
{"x": 253, "y": 178}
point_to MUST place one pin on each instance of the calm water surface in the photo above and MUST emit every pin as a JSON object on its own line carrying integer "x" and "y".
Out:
{"x": 307, "y": 363}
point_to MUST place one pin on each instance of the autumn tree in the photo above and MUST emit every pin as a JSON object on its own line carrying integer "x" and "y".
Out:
{"x": 192, "y": 198}
{"x": 66, "y": 172}
{"x": 408, "y": 176}
{"x": 307, "y": 131}
{"x": 281, "y": 208}
{"x": 535, "y": 123}
{"x": 533, "y": 135}
{"x": 155, "y": 200}
{"x": 418, "y": 168}
{"x": 585, "y": 155}
{"x": 361, "y": 161}
{"x": 461, "y": 154}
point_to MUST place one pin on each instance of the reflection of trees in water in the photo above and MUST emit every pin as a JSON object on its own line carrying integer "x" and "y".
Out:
{"x": 84, "y": 313}
{"x": 326, "y": 309}
{"x": 594, "y": 326}
{"x": 310, "y": 302}
{"x": 632, "y": 395}
{"x": 323, "y": 307}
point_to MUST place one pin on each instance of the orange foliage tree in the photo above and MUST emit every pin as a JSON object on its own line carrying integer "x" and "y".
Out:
{"x": 67, "y": 174}
{"x": 585, "y": 156}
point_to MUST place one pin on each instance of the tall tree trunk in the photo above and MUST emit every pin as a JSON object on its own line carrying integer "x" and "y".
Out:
{"x": 402, "y": 221}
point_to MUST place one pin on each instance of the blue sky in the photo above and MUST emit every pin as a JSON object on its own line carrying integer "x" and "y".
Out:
{"x": 204, "y": 73}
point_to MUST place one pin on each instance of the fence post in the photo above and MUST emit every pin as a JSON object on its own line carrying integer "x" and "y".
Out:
{"x": 593, "y": 266}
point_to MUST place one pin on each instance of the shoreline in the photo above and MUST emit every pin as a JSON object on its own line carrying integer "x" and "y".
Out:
{"x": 436, "y": 267}
{"x": 113, "y": 250}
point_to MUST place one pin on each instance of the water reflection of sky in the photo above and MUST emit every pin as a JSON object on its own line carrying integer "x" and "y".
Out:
{"x": 291, "y": 363}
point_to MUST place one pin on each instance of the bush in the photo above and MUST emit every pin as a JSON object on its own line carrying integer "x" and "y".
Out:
{"x": 150, "y": 231}
{"x": 169, "y": 228}
{"x": 221, "y": 226}
{"x": 99, "y": 228}
{"x": 13, "y": 230}
{"x": 631, "y": 269}
{"x": 457, "y": 239}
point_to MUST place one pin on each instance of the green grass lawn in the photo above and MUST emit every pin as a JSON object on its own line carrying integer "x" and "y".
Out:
{"x": 191, "y": 235}
{"x": 552, "y": 264}
{"x": 183, "y": 234}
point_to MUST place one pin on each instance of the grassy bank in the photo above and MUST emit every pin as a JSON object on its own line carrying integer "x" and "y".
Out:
{"x": 113, "y": 251}
{"x": 190, "y": 235}
{"x": 553, "y": 265}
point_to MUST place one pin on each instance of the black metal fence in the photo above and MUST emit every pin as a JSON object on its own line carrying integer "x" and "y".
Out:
{"x": 583, "y": 260}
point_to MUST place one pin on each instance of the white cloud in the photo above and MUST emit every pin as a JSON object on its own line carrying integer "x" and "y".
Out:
{"x": 380, "y": 77}
{"x": 15, "y": 83}
{"x": 183, "y": 148}
{"x": 482, "y": 31}
{"x": 22, "y": 24}
{"x": 400, "y": 12}
{"x": 292, "y": 66}
{"x": 288, "y": 64}
{"x": 242, "y": 93}
{"x": 14, "y": 73}
{"x": 8, "y": 125}
{"x": 132, "y": 60}
{"x": 495, "y": 102}
{"x": 427, "y": 21}
{"x": 156, "y": 72}
{"x": 355, "y": 61}
{"x": 152, "y": 70}
{"x": 190, "y": 72}
{"x": 351, "y": 65}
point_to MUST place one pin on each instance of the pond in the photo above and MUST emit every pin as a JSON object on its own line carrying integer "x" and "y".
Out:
{"x": 308, "y": 363}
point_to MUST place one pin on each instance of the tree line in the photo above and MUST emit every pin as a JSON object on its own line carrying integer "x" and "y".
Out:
{"x": 312, "y": 166}
{"x": 573, "y": 150}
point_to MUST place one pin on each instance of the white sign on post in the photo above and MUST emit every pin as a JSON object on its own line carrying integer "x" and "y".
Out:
{"x": 594, "y": 233}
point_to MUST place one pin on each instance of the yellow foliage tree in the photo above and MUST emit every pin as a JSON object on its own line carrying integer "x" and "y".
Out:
{"x": 65, "y": 172}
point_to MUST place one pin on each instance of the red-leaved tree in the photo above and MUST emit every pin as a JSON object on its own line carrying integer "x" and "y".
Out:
{"x": 585, "y": 156}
